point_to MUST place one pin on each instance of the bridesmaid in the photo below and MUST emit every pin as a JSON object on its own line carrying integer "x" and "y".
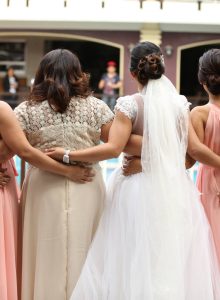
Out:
{"x": 60, "y": 217}
{"x": 206, "y": 122}
{"x": 14, "y": 136}
{"x": 9, "y": 194}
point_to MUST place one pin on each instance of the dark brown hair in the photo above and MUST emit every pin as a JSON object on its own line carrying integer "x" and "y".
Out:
{"x": 209, "y": 70}
{"x": 59, "y": 78}
{"x": 147, "y": 62}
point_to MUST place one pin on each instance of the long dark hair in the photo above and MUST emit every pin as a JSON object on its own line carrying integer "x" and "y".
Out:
{"x": 209, "y": 70}
{"x": 59, "y": 78}
{"x": 146, "y": 62}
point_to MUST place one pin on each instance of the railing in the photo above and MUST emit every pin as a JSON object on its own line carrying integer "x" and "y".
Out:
{"x": 106, "y": 14}
{"x": 100, "y": 3}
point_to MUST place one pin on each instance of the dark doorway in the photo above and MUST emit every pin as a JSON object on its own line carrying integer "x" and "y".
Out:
{"x": 93, "y": 56}
{"x": 189, "y": 85}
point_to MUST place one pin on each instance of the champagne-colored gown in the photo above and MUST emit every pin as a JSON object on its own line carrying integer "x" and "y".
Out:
{"x": 60, "y": 217}
{"x": 208, "y": 180}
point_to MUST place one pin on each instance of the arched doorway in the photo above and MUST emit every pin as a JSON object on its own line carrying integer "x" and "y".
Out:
{"x": 188, "y": 68}
{"x": 93, "y": 56}
{"x": 93, "y": 52}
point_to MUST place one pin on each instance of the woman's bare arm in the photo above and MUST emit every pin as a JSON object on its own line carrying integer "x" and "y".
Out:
{"x": 5, "y": 152}
{"x": 133, "y": 146}
{"x": 196, "y": 116}
{"x": 118, "y": 137}
{"x": 199, "y": 151}
{"x": 15, "y": 139}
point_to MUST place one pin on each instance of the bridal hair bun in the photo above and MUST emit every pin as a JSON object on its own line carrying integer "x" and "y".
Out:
{"x": 146, "y": 62}
{"x": 150, "y": 67}
{"x": 209, "y": 70}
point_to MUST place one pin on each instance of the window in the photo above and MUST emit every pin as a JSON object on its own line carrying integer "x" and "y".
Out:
{"x": 12, "y": 54}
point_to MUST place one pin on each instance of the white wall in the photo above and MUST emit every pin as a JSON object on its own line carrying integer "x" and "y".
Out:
{"x": 34, "y": 53}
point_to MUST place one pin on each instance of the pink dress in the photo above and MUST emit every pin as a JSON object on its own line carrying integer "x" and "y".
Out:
{"x": 208, "y": 180}
{"x": 8, "y": 235}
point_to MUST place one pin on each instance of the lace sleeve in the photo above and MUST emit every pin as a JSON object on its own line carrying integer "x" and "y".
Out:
{"x": 127, "y": 106}
{"x": 106, "y": 114}
{"x": 21, "y": 114}
{"x": 186, "y": 104}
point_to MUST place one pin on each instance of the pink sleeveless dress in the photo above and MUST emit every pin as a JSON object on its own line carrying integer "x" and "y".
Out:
{"x": 9, "y": 235}
{"x": 208, "y": 180}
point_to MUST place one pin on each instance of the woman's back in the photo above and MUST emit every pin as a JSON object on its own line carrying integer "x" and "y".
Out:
{"x": 77, "y": 128}
{"x": 208, "y": 180}
{"x": 60, "y": 217}
{"x": 212, "y": 129}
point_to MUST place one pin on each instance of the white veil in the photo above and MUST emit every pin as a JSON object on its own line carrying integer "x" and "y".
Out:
{"x": 173, "y": 208}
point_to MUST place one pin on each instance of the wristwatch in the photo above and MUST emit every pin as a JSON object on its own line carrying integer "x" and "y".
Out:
{"x": 66, "y": 158}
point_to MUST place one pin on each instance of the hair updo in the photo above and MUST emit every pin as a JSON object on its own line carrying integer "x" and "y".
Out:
{"x": 147, "y": 62}
{"x": 209, "y": 70}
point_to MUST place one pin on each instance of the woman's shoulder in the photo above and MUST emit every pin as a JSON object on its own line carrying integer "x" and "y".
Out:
{"x": 4, "y": 107}
{"x": 4, "y": 104}
{"x": 92, "y": 102}
{"x": 101, "y": 109}
{"x": 91, "y": 109}
{"x": 22, "y": 108}
{"x": 200, "y": 112}
{"x": 22, "y": 104}
{"x": 128, "y": 105}
{"x": 201, "y": 109}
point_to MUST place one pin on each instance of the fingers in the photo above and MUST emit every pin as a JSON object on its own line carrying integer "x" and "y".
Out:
{"x": 126, "y": 166}
{"x": 87, "y": 176}
{"x": 82, "y": 174}
{"x": 4, "y": 181}
{"x": 49, "y": 153}
{"x": 126, "y": 172}
{"x": 128, "y": 158}
{"x": 85, "y": 180}
{"x": 49, "y": 150}
{"x": 89, "y": 173}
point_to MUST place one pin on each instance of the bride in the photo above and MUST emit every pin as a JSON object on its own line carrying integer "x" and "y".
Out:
{"x": 153, "y": 241}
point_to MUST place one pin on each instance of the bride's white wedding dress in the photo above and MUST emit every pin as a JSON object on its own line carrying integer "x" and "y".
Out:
{"x": 153, "y": 241}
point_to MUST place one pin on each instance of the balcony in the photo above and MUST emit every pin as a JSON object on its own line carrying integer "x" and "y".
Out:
{"x": 106, "y": 14}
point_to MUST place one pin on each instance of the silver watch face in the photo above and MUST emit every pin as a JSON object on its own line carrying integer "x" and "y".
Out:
{"x": 66, "y": 158}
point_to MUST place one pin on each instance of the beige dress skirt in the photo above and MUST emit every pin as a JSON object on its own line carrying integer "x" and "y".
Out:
{"x": 59, "y": 220}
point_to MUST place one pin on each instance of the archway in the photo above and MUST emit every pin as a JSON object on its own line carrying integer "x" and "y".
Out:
{"x": 93, "y": 52}
{"x": 93, "y": 56}
{"x": 187, "y": 69}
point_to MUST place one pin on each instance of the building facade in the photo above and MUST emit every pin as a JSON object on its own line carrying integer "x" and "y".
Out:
{"x": 102, "y": 30}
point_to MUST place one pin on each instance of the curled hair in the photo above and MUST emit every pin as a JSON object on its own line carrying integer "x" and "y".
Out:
{"x": 209, "y": 70}
{"x": 59, "y": 78}
{"x": 149, "y": 67}
{"x": 147, "y": 62}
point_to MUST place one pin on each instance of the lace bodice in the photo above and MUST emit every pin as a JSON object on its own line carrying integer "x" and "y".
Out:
{"x": 128, "y": 106}
{"x": 78, "y": 127}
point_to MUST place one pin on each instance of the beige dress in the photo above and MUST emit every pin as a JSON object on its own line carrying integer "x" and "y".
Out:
{"x": 60, "y": 217}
